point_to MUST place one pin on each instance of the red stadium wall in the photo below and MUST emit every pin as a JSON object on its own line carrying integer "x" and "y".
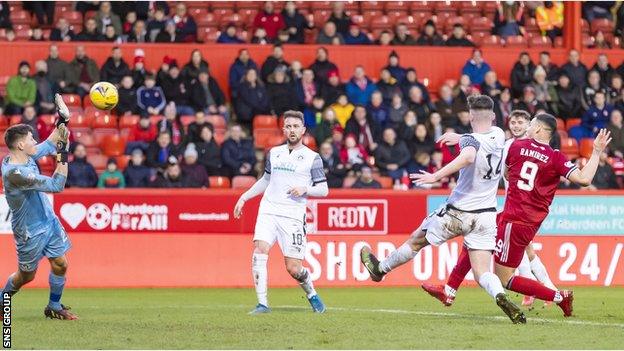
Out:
{"x": 426, "y": 60}
{"x": 140, "y": 238}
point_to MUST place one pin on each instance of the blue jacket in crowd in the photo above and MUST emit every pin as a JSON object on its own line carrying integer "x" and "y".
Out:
{"x": 153, "y": 97}
{"x": 357, "y": 95}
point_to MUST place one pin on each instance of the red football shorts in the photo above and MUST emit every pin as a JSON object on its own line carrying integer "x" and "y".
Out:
{"x": 511, "y": 241}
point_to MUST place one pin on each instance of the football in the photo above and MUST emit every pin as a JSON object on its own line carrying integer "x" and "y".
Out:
{"x": 104, "y": 95}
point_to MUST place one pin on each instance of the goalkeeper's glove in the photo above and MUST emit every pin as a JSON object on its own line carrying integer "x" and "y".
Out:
{"x": 63, "y": 111}
{"x": 62, "y": 145}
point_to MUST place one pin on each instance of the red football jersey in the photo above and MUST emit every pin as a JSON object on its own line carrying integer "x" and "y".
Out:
{"x": 533, "y": 171}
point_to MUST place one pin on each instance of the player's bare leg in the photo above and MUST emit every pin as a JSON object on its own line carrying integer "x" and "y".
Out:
{"x": 56, "y": 310}
{"x": 480, "y": 261}
{"x": 260, "y": 275}
{"x": 398, "y": 257}
{"x": 295, "y": 268}
{"x": 446, "y": 293}
{"x": 563, "y": 298}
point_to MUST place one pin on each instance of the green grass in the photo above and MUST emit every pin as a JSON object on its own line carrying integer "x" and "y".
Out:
{"x": 358, "y": 318}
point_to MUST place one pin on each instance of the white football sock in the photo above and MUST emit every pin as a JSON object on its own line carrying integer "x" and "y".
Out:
{"x": 305, "y": 280}
{"x": 260, "y": 277}
{"x": 538, "y": 269}
{"x": 490, "y": 282}
{"x": 449, "y": 291}
{"x": 398, "y": 257}
{"x": 524, "y": 269}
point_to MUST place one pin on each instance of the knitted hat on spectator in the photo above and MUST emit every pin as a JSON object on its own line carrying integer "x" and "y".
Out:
{"x": 338, "y": 129}
{"x": 333, "y": 73}
{"x": 111, "y": 160}
{"x": 137, "y": 152}
{"x": 393, "y": 54}
{"x": 172, "y": 160}
{"x": 173, "y": 63}
{"x": 139, "y": 56}
{"x": 190, "y": 150}
{"x": 167, "y": 59}
{"x": 24, "y": 63}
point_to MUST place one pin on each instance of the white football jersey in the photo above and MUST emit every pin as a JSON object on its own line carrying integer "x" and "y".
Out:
{"x": 505, "y": 152}
{"x": 477, "y": 184}
{"x": 288, "y": 169}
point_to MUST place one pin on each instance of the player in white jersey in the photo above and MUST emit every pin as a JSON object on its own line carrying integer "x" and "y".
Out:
{"x": 292, "y": 173}
{"x": 470, "y": 210}
{"x": 531, "y": 266}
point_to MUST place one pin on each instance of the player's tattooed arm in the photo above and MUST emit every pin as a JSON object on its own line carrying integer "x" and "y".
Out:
{"x": 32, "y": 181}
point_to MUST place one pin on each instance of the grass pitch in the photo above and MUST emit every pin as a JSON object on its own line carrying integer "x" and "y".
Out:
{"x": 357, "y": 318}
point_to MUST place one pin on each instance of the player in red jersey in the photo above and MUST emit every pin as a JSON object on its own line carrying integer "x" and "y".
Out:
{"x": 534, "y": 171}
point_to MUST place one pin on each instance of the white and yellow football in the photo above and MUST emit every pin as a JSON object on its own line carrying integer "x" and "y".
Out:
{"x": 104, "y": 95}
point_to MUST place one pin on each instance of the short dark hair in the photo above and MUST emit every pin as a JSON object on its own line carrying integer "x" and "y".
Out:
{"x": 549, "y": 120}
{"x": 520, "y": 114}
{"x": 15, "y": 133}
{"x": 480, "y": 102}
{"x": 294, "y": 114}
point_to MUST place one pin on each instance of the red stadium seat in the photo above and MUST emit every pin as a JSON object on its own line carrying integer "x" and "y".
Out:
{"x": 15, "y": 119}
{"x": 219, "y": 182}
{"x": 490, "y": 8}
{"x": 156, "y": 119}
{"x": 570, "y": 147}
{"x": 203, "y": 18}
{"x": 381, "y": 22}
{"x": 48, "y": 119}
{"x": 264, "y": 122}
{"x": 398, "y": 6}
{"x": 72, "y": 100}
{"x": 421, "y": 7}
{"x": 186, "y": 120}
{"x": 47, "y": 164}
{"x": 386, "y": 182}
{"x": 275, "y": 141}
{"x": 515, "y": 42}
{"x": 601, "y": 24}
{"x": 560, "y": 124}
{"x": 222, "y": 5}
{"x": 104, "y": 121}
{"x": 444, "y": 8}
{"x": 262, "y": 137}
{"x": 309, "y": 141}
{"x": 372, "y": 6}
{"x": 81, "y": 121}
{"x": 540, "y": 42}
{"x": 87, "y": 140}
{"x": 236, "y": 18}
{"x": 113, "y": 145}
{"x": 572, "y": 122}
{"x": 412, "y": 23}
{"x": 469, "y": 7}
{"x": 122, "y": 161}
{"x": 20, "y": 17}
{"x": 243, "y": 182}
{"x": 21, "y": 32}
{"x": 72, "y": 17}
{"x": 256, "y": 5}
{"x": 321, "y": 5}
{"x": 217, "y": 121}
{"x": 98, "y": 162}
{"x": 4, "y": 124}
{"x": 128, "y": 121}
{"x": 586, "y": 147}
{"x": 481, "y": 24}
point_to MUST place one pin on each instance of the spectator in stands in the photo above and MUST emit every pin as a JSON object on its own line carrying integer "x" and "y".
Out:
{"x": 476, "y": 67}
{"x": 360, "y": 88}
{"x": 575, "y": 69}
{"x": 9, "y": 35}
{"x": 384, "y": 39}
{"x": 377, "y": 110}
{"x": 521, "y": 74}
{"x": 106, "y": 17}
{"x": 405, "y": 130}
{"x": 306, "y": 89}
{"x": 127, "y": 97}
{"x": 366, "y": 180}
{"x": 115, "y": 68}
{"x": 178, "y": 90}
{"x": 595, "y": 118}
{"x": 237, "y": 153}
{"x": 295, "y": 70}
{"x": 159, "y": 151}
{"x": 21, "y": 90}
{"x": 434, "y": 125}
{"x": 545, "y": 91}
{"x": 509, "y": 19}
{"x": 392, "y": 155}
{"x": 335, "y": 171}
{"x": 429, "y": 35}
{"x": 282, "y": 94}
{"x": 29, "y": 117}
{"x": 396, "y": 111}
{"x": 156, "y": 24}
{"x": 340, "y": 18}
{"x": 395, "y": 69}
{"x": 458, "y": 37}
{"x": 594, "y": 85}
{"x": 171, "y": 177}
{"x": 323, "y": 130}
{"x": 605, "y": 176}
{"x": 333, "y": 88}
{"x": 329, "y": 35}
{"x": 62, "y": 32}
{"x": 252, "y": 99}
{"x": 344, "y": 109}
{"x": 139, "y": 33}
{"x": 420, "y": 141}
{"x": 186, "y": 28}
{"x": 549, "y": 18}
{"x": 43, "y": 10}
{"x": 419, "y": 163}
{"x": 194, "y": 128}
{"x": 168, "y": 34}
{"x": 322, "y": 66}
{"x": 416, "y": 102}
{"x": 275, "y": 59}
{"x": 195, "y": 173}
{"x": 139, "y": 72}
{"x": 37, "y": 34}
{"x": 269, "y": 20}
{"x": 568, "y": 98}
{"x": 196, "y": 64}
{"x": 229, "y": 36}
{"x": 616, "y": 128}
{"x": 81, "y": 173}
{"x": 600, "y": 42}
{"x": 131, "y": 18}
{"x": 313, "y": 114}
{"x": 604, "y": 68}
{"x": 352, "y": 155}
{"x": 491, "y": 86}
{"x": 237, "y": 70}
{"x": 388, "y": 86}
{"x": 45, "y": 89}
{"x": 58, "y": 70}
{"x": 84, "y": 72}
{"x": 529, "y": 101}
{"x": 463, "y": 124}
{"x": 110, "y": 36}
{"x": 207, "y": 96}
{"x": 402, "y": 36}
{"x": 136, "y": 174}
{"x": 355, "y": 36}
{"x": 89, "y": 32}
{"x": 150, "y": 98}
{"x": 366, "y": 131}
{"x": 260, "y": 37}
{"x": 295, "y": 22}
{"x": 597, "y": 9}
{"x": 5, "y": 15}
{"x": 172, "y": 124}
{"x": 111, "y": 177}
{"x": 141, "y": 135}
{"x": 503, "y": 106}
{"x": 209, "y": 153}
{"x": 615, "y": 90}
{"x": 551, "y": 69}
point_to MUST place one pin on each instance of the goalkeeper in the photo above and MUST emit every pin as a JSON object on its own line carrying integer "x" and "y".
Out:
{"x": 36, "y": 229}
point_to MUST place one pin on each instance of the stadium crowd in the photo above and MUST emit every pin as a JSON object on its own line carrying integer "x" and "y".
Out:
{"x": 362, "y": 128}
